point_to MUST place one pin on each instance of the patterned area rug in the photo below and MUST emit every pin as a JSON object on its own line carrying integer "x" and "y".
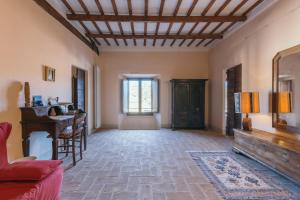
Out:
{"x": 237, "y": 177}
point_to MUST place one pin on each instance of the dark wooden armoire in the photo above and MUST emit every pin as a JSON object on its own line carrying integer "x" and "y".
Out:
{"x": 188, "y": 103}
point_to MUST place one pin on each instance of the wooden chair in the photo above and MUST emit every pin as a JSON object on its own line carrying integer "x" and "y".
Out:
{"x": 73, "y": 135}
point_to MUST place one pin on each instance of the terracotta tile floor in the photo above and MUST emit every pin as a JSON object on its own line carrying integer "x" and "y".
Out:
{"x": 143, "y": 165}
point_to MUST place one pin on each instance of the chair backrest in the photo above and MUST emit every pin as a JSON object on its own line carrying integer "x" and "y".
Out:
{"x": 5, "y": 129}
{"x": 79, "y": 123}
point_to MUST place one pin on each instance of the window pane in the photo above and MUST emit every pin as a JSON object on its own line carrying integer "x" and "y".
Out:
{"x": 133, "y": 96}
{"x": 146, "y": 96}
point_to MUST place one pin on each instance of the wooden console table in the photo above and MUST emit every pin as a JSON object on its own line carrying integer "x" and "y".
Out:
{"x": 279, "y": 151}
{"x": 37, "y": 119}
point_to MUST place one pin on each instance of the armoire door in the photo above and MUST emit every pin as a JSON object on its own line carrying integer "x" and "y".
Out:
{"x": 188, "y": 104}
{"x": 196, "y": 104}
{"x": 181, "y": 105}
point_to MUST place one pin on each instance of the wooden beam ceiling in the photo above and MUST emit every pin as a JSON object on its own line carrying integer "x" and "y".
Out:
{"x": 91, "y": 37}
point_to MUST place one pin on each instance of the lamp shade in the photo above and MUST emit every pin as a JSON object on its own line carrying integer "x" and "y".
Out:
{"x": 284, "y": 102}
{"x": 247, "y": 102}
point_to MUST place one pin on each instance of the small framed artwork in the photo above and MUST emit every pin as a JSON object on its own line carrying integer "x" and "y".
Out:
{"x": 49, "y": 73}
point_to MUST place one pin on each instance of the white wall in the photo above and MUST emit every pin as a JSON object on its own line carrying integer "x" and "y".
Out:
{"x": 168, "y": 65}
{"x": 254, "y": 46}
{"x": 29, "y": 39}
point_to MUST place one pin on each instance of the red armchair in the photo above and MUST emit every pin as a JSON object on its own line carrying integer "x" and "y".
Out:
{"x": 30, "y": 180}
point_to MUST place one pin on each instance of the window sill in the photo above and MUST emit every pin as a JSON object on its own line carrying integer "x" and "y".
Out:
{"x": 140, "y": 114}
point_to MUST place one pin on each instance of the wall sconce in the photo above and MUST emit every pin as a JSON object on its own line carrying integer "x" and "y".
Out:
{"x": 247, "y": 102}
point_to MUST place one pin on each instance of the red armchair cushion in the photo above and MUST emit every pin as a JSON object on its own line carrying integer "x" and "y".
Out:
{"x": 32, "y": 170}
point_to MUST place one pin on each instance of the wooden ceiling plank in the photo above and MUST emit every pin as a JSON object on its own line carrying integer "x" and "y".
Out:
{"x": 133, "y": 32}
{"x": 111, "y": 32}
{"x": 54, "y": 13}
{"x": 82, "y": 4}
{"x": 238, "y": 7}
{"x": 145, "y": 23}
{"x": 170, "y": 36}
{"x": 100, "y": 8}
{"x": 129, "y": 4}
{"x": 161, "y": 8}
{"x": 101, "y": 13}
{"x": 189, "y": 12}
{"x": 122, "y": 32}
{"x": 203, "y": 13}
{"x": 252, "y": 7}
{"x": 68, "y": 6}
{"x": 114, "y": 5}
{"x": 223, "y": 6}
{"x": 86, "y": 10}
{"x": 171, "y": 23}
{"x": 145, "y": 33}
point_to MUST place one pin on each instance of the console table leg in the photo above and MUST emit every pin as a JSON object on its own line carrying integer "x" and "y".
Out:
{"x": 26, "y": 145}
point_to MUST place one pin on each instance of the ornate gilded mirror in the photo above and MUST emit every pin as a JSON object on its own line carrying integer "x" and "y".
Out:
{"x": 286, "y": 90}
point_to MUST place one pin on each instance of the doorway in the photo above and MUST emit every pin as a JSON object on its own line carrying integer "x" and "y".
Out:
{"x": 233, "y": 84}
{"x": 78, "y": 88}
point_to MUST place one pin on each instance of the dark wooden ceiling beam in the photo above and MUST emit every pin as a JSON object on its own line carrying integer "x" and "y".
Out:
{"x": 138, "y": 18}
{"x": 224, "y": 5}
{"x": 114, "y": 5}
{"x": 54, "y": 13}
{"x": 252, "y": 7}
{"x": 189, "y": 12}
{"x": 145, "y": 23}
{"x": 161, "y": 8}
{"x": 171, "y": 23}
{"x": 96, "y": 25}
{"x": 142, "y": 36}
{"x": 129, "y": 4}
{"x": 86, "y": 10}
{"x": 101, "y": 11}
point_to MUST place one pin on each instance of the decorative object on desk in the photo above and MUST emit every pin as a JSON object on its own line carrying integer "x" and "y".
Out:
{"x": 37, "y": 101}
{"x": 238, "y": 177}
{"x": 247, "y": 102}
{"x": 52, "y": 111}
{"x": 284, "y": 106}
{"x": 27, "y": 94}
{"x": 49, "y": 74}
{"x": 53, "y": 101}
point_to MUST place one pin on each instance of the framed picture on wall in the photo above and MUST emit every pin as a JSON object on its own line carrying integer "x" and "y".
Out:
{"x": 49, "y": 73}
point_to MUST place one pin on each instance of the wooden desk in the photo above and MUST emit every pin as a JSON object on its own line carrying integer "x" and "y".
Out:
{"x": 279, "y": 151}
{"x": 37, "y": 119}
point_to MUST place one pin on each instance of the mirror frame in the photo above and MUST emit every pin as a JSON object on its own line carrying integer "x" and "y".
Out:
{"x": 275, "y": 116}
